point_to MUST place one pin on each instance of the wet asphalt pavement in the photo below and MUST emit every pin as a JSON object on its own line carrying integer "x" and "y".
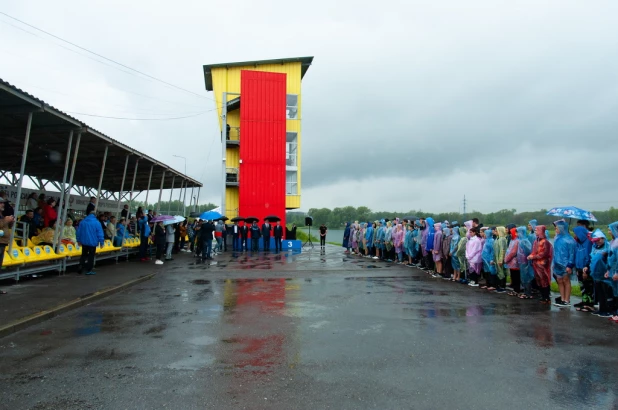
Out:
{"x": 310, "y": 331}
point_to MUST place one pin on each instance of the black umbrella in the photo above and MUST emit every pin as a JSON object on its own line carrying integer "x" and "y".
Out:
{"x": 251, "y": 219}
{"x": 223, "y": 218}
{"x": 238, "y": 219}
{"x": 195, "y": 214}
{"x": 272, "y": 218}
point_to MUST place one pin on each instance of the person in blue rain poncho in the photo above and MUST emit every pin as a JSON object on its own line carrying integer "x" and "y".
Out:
{"x": 453, "y": 255}
{"x": 431, "y": 233}
{"x": 488, "y": 257}
{"x": 380, "y": 241}
{"x": 524, "y": 249}
{"x": 598, "y": 268}
{"x": 437, "y": 247}
{"x": 368, "y": 239}
{"x": 563, "y": 261}
{"x": 612, "y": 273}
{"x": 582, "y": 260}
{"x": 408, "y": 244}
{"x": 417, "y": 243}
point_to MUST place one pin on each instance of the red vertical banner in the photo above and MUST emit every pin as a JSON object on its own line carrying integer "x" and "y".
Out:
{"x": 262, "y": 146}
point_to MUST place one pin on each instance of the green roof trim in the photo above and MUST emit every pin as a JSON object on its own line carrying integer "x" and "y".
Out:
{"x": 305, "y": 63}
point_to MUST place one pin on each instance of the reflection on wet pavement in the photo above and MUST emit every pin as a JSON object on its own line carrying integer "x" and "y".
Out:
{"x": 344, "y": 340}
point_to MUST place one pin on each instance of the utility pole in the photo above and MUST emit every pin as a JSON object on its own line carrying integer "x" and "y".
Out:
{"x": 464, "y": 208}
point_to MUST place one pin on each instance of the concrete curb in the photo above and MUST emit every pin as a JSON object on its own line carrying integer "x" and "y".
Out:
{"x": 44, "y": 315}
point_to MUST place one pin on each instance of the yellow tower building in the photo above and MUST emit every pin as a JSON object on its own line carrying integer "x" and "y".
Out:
{"x": 225, "y": 80}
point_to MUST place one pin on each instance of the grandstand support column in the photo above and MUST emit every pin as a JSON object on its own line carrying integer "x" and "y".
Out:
{"x": 133, "y": 188}
{"x": 96, "y": 206}
{"x": 124, "y": 177}
{"x": 191, "y": 198}
{"x": 61, "y": 203}
{"x": 160, "y": 193}
{"x": 148, "y": 189}
{"x": 75, "y": 152}
{"x": 182, "y": 182}
{"x": 169, "y": 205}
{"x": 184, "y": 198}
{"x": 21, "y": 175}
{"x": 199, "y": 188}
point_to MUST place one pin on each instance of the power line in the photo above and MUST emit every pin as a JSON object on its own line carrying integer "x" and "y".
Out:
{"x": 137, "y": 119}
{"x": 105, "y": 58}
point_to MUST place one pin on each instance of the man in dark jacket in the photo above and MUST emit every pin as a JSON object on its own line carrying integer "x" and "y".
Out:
{"x": 89, "y": 236}
{"x": 255, "y": 237}
{"x": 266, "y": 231}
{"x": 235, "y": 234}
{"x": 28, "y": 218}
{"x": 244, "y": 234}
{"x": 278, "y": 234}
{"x": 206, "y": 233}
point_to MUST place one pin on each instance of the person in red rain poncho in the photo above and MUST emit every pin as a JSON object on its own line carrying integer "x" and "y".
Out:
{"x": 541, "y": 258}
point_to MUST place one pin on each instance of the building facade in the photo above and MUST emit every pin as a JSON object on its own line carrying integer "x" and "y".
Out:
{"x": 259, "y": 110}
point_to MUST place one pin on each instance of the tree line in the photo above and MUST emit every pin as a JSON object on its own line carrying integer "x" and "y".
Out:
{"x": 337, "y": 217}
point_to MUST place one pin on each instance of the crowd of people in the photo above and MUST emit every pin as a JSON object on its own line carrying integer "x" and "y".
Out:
{"x": 487, "y": 257}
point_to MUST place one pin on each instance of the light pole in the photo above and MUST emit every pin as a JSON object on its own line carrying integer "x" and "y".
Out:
{"x": 184, "y": 202}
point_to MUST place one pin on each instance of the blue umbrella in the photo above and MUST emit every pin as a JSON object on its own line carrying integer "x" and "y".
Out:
{"x": 572, "y": 212}
{"x": 210, "y": 215}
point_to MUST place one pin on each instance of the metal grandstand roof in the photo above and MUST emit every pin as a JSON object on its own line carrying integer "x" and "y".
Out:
{"x": 49, "y": 136}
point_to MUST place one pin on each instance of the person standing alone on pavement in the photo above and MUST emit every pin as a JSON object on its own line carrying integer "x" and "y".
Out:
{"x": 89, "y": 236}
{"x": 323, "y": 231}
{"x": 159, "y": 240}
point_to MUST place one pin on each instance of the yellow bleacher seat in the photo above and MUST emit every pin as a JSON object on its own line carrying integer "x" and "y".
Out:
{"x": 49, "y": 253}
{"x": 14, "y": 257}
{"x": 109, "y": 245}
{"x": 30, "y": 256}
{"x": 72, "y": 251}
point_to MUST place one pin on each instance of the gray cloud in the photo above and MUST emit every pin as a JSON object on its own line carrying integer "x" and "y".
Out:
{"x": 409, "y": 104}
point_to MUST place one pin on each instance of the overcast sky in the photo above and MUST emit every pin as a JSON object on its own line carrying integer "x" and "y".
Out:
{"x": 408, "y": 104}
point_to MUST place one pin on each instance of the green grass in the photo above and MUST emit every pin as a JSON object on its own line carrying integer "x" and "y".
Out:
{"x": 304, "y": 236}
{"x": 575, "y": 290}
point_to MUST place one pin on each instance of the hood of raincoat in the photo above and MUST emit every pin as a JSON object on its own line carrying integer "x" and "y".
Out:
{"x": 514, "y": 234}
{"x": 597, "y": 235}
{"x": 533, "y": 223}
{"x": 468, "y": 224}
{"x": 563, "y": 226}
{"x": 540, "y": 231}
{"x": 455, "y": 240}
{"x": 430, "y": 223}
{"x": 524, "y": 243}
{"x": 581, "y": 234}
{"x": 564, "y": 248}
{"x": 437, "y": 226}
{"x": 488, "y": 249}
{"x": 462, "y": 231}
{"x": 501, "y": 231}
{"x": 446, "y": 231}
{"x": 613, "y": 227}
